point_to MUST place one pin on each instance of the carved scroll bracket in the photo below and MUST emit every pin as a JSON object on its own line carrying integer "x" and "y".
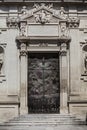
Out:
{"x": 64, "y": 32}
{"x": 23, "y": 28}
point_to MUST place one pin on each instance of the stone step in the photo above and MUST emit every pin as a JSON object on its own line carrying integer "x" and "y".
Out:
{"x": 24, "y": 122}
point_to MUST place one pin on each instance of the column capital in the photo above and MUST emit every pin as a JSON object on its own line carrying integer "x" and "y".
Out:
{"x": 23, "y": 49}
{"x": 63, "y": 49}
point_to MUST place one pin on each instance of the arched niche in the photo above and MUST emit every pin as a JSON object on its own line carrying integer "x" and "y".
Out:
{"x": 1, "y": 58}
{"x": 85, "y": 48}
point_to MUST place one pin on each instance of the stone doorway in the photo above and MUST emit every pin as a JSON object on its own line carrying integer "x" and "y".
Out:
{"x": 43, "y": 83}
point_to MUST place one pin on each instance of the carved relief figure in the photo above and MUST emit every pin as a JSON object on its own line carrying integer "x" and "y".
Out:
{"x": 42, "y": 17}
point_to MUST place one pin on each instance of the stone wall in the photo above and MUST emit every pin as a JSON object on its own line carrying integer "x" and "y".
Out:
{"x": 10, "y": 69}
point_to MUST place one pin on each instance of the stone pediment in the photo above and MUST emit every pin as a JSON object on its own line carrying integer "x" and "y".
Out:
{"x": 42, "y": 14}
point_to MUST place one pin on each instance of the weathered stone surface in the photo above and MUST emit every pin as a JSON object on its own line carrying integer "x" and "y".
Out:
{"x": 43, "y": 27}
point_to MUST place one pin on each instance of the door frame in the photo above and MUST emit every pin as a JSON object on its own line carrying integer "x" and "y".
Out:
{"x": 64, "y": 78}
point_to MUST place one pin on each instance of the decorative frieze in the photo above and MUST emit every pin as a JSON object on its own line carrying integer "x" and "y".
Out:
{"x": 12, "y": 22}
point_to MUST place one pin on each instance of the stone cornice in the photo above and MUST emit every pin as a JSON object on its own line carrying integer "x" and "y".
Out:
{"x": 58, "y": 1}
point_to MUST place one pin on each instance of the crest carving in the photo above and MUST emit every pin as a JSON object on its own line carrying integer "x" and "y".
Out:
{"x": 42, "y": 17}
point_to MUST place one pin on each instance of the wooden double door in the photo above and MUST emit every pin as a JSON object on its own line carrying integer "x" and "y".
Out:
{"x": 43, "y": 83}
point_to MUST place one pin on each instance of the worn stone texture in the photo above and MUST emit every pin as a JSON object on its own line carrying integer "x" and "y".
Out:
{"x": 45, "y": 28}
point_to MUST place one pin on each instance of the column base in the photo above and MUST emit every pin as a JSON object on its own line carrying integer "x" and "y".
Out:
{"x": 23, "y": 110}
{"x": 63, "y": 110}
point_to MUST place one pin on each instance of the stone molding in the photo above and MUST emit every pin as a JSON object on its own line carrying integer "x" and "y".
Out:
{"x": 42, "y": 14}
{"x": 59, "y": 1}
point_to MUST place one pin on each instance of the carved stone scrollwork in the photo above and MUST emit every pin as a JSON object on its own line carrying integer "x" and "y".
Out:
{"x": 63, "y": 51}
{"x": 43, "y": 16}
{"x": 23, "y": 51}
{"x": 63, "y": 29}
{"x": 73, "y": 22}
{"x": 37, "y": 6}
{"x": 23, "y": 28}
{"x": 12, "y": 22}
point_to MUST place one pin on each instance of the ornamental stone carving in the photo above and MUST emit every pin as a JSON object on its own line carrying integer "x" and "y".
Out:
{"x": 63, "y": 29}
{"x": 12, "y": 22}
{"x": 73, "y": 22}
{"x": 42, "y": 17}
{"x": 49, "y": 6}
{"x": 23, "y": 28}
{"x": 24, "y": 10}
{"x": 63, "y": 51}
{"x": 23, "y": 50}
{"x": 62, "y": 13}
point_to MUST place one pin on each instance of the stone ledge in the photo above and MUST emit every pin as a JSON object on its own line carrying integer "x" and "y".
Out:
{"x": 66, "y": 1}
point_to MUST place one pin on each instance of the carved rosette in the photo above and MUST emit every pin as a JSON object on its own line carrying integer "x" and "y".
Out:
{"x": 12, "y": 22}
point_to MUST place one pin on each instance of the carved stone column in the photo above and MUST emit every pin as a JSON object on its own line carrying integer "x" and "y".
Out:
{"x": 63, "y": 79}
{"x": 23, "y": 79}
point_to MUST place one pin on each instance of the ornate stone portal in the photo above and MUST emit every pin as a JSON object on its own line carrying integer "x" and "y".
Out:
{"x": 48, "y": 28}
{"x": 35, "y": 37}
